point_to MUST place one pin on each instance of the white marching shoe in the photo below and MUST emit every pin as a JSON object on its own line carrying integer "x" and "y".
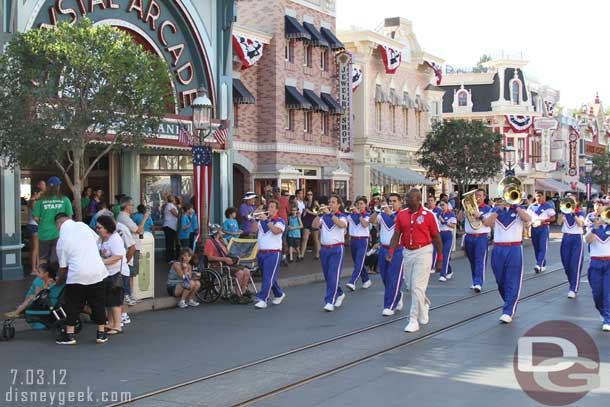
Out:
{"x": 424, "y": 315}
{"x": 278, "y": 300}
{"x": 399, "y": 305}
{"x": 260, "y": 304}
{"x": 606, "y": 327}
{"x": 412, "y": 326}
{"x": 506, "y": 319}
{"x": 367, "y": 284}
{"x": 449, "y": 276}
{"x": 387, "y": 312}
{"x": 571, "y": 295}
{"x": 477, "y": 288}
{"x": 339, "y": 300}
{"x": 351, "y": 286}
{"x": 442, "y": 279}
{"x": 329, "y": 307}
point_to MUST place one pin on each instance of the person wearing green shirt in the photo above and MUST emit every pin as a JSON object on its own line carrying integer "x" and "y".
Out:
{"x": 84, "y": 202}
{"x": 45, "y": 209}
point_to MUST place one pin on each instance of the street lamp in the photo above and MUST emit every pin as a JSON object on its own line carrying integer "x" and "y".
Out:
{"x": 510, "y": 165}
{"x": 202, "y": 115}
{"x": 588, "y": 170}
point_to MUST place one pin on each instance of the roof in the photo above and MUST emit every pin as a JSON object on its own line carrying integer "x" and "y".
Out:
{"x": 294, "y": 30}
{"x": 482, "y": 95}
{"x": 434, "y": 88}
{"x": 294, "y": 100}
{"x": 316, "y": 36}
{"x": 241, "y": 94}
{"x": 509, "y": 74}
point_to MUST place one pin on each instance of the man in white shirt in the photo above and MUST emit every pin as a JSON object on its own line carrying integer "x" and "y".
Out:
{"x": 82, "y": 270}
{"x": 300, "y": 201}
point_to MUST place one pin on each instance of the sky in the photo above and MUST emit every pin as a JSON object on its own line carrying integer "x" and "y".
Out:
{"x": 564, "y": 44}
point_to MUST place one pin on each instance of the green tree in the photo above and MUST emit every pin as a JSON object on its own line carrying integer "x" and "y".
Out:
{"x": 466, "y": 152}
{"x": 74, "y": 90}
{"x": 479, "y": 67}
{"x": 601, "y": 170}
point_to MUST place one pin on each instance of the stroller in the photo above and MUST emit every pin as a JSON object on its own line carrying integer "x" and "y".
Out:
{"x": 45, "y": 312}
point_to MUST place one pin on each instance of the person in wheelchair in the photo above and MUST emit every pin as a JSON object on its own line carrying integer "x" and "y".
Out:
{"x": 217, "y": 256}
{"x": 45, "y": 279}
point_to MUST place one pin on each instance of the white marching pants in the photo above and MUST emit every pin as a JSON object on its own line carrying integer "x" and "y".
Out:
{"x": 416, "y": 267}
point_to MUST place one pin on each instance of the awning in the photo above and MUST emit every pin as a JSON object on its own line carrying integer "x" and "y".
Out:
{"x": 407, "y": 102}
{"x": 332, "y": 104}
{"x": 400, "y": 176}
{"x": 294, "y": 100}
{"x": 582, "y": 187}
{"x": 380, "y": 96}
{"x": 316, "y": 103}
{"x": 316, "y": 38}
{"x": 241, "y": 94}
{"x": 394, "y": 99}
{"x": 332, "y": 39}
{"x": 420, "y": 104}
{"x": 549, "y": 184}
{"x": 294, "y": 30}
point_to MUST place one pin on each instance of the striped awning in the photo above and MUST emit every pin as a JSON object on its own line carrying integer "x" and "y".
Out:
{"x": 380, "y": 95}
{"x": 294, "y": 30}
{"x": 407, "y": 102}
{"x": 394, "y": 99}
{"x": 381, "y": 175}
{"x": 241, "y": 94}
{"x": 549, "y": 184}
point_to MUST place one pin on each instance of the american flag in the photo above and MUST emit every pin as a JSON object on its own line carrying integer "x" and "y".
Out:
{"x": 184, "y": 137}
{"x": 221, "y": 135}
{"x": 202, "y": 179}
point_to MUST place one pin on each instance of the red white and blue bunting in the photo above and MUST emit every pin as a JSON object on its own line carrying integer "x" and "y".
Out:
{"x": 356, "y": 77}
{"x": 593, "y": 127}
{"x": 248, "y": 50}
{"x": 438, "y": 71}
{"x": 391, "y": 58}
{"x": 550, "y": 107}
{"x": 519, "y": 124}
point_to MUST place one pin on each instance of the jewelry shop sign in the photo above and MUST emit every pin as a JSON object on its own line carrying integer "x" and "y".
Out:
{"x": 344, "y": 62}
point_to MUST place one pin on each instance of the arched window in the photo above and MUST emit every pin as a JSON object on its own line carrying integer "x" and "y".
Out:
{"x": 515, "y": 90}
{"x": 463, "y": 98}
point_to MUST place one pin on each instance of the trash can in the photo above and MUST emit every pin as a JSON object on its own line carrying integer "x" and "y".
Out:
{"x": 144, "y": 286}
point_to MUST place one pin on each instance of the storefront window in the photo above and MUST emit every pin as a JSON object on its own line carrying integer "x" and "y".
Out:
{"x": 289, "y": 185}
{"x": 341, "y": 189}
{"x": 149, "y": 162}
{"x": 168, "y": 162}
{"x": 25, "y": 188}
{"x": 156, "y": 188}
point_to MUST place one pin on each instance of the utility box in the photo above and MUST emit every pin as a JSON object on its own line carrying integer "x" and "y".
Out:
{"x": 144, "y": 284}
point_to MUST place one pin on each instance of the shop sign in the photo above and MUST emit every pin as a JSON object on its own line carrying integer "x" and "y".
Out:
{"x": 545, "y": 123}
{"x": 573, "y": 155}
{"x": 344, "y": 62}
{"x": 163, "y": 26}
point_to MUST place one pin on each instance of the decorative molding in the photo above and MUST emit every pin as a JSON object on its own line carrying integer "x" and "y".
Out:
{"x": 252, "y": 33}
{"x": 290, "y": 148}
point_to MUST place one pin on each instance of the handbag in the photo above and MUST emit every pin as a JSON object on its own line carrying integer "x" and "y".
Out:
{"x": 117, "y": 279}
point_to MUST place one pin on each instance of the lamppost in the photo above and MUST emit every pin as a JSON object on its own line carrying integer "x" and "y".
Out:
{"x": 510, "y": 164}
{"x": 588, "y": 170}
{"x": 202, "y": 115}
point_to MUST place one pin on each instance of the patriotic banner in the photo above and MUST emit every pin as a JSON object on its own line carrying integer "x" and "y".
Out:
{"x": 184, "y": 137}
{"x": 391, "y": 58}
{"x": 248, "y": 50}
{"x": 519, "y": 124}
{"x": 550, "y": 107}
{"x": 221, "y": 135}
{"x": 438, "y": 71}
{"x": 356, "y": 77}
{"x": 593, "y": 127}
{"x": 202, "y": 183}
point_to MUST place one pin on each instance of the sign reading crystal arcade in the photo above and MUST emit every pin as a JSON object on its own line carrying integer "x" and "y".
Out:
{"x": 161, "y": 26}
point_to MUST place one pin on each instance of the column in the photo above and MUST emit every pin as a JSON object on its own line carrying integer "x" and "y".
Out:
{"x": 226, "y": 181}
{"x": 10, "y": 224}
{"x": 130, "y": 175}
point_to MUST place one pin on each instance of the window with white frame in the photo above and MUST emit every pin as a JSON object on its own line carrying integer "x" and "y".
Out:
{"x": 325, "y": 123}
{"x": 418, "y": 124}
{"x": 289, "y": 120}
{"x": 515, "y": 91}
{"x": 462, "y": 98}
{"x": 307, "y": 55}
{"x": 289, "y": 51}
{"x": 324, "y": 59}
{"x": 393, "y": 118}
{"x": 378, "y": 116}
{"x": 307, "y": 116}
{"x": 8, "y": 9}
{"x": 405, "y": 120}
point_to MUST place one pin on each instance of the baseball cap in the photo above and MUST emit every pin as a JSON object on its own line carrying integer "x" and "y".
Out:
{"x": 53, "y": 181}
{"x": 276, "y": 189}
{"x": 249, "y": 195}
{"x": 213, "y": 229}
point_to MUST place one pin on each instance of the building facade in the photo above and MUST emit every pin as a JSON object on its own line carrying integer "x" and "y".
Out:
{"x": 285, "y": 111}
{"x": 194, "y": 38}
{"x": 393, "y": 106}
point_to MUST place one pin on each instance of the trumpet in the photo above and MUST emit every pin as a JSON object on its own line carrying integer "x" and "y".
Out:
{"x": 350, "y": 209}
{"x": 255, "y": 215}
{"x": 317, "y": 210}
{"x": 381, "y": 207}
{"x": 567, "y": 205}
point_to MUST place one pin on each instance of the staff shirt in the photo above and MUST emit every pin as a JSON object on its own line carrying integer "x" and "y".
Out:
{"x": 600, "y": 246}
{"x": 485, "y": 211}
{"x": 569, "y": 225}
{"x": 508, "y": 227}
{"x": 416, "y": 228}
{"x": 267, "y": 240}
{"x": 330, "y": 233}
{"x": 356, "y": 228}
{"x": 386, "y": 227}
{"x": 446, "y": 218}
{"x": 77, "y": 251}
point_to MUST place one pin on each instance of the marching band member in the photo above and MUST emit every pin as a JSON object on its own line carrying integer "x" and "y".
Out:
{"x": 431, "y": 204}
{"x": 597, "y": 211}
{"x": 416, "y": 229}
{"x": 391, "y": 273}
{"x": 507, "y": 253}
{"x": 542, "y": 213}
{"x": 332, "y": 226}
{"x": 447, "y": 222}
{"x": 475, "y": 242}
{"x": 598, "y": 236}
{"x": 270, "y": 229}
{"x": 358, "y": 222}
{"x": 572, "y": 247}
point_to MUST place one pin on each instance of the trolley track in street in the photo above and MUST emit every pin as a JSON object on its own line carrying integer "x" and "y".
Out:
{"x": 340, "y": 337}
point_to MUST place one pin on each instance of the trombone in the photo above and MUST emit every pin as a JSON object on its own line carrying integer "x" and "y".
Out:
{"x": 255, "y": 215}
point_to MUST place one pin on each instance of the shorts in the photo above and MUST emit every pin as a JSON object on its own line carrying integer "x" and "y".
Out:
{"x": 77, "y": 295}
{"x": 114, "y": 296}
{"x": 171, "y": 290}
{"x": 294, "y": 242}
{"x": 31, "y": 229}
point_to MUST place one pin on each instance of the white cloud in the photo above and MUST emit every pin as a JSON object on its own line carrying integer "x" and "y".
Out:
{"x": 563, "y": 42}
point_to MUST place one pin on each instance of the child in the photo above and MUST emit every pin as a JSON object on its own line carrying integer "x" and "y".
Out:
{"x": 45, "y": 279}
{"x": 184, "y": 232}
{"x": 294, "y": 233}
{"x": 137, "y": 218}
{"x": 230, "y": 227}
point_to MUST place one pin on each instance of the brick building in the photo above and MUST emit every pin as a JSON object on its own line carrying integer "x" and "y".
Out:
{"x": 285, "y": 105}
{"x": 393, "y": 111}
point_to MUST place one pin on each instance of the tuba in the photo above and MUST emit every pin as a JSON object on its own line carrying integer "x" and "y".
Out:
{"x": 567, "y": 205}
{"x": 509, "y": 189}
{"x": 605, "y": 216}
{"x": 471, "y": 209}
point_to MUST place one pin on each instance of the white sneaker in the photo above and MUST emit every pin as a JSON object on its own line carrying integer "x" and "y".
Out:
{"x": 477, "y": 288}
{"x": 537, "y": 269}
{"x": 399, "y": 305}
{"x": 449, "y": 276}
{"x": 260, "y": 304}
{"x": 278, "y": 300}
{"x": 412, "y": 326}
{"x": 128, "y": 300}
{"x": 432, "y": 271}
{"x": 506, "y": 319}
{"x": 134, "y": 299}
{"x": 606, "y": 327}
{"x": 543, "y": 269}
{"x": 472, "y": 287}
{"x": 193, "y": 303}
{"x": 367, "y": 284}
{"x": 424, "y": 315}
{"x": 339, "y": 300}
{"x": 442, "y": 279}
{"x": 351, "y": 286}
{"x": 571, "y": 295}
{"x": 125, "y": 319}
{"x": 329, "y": 307}
{"x": 387, "y": 312}
{"x": 181, "y": 304}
